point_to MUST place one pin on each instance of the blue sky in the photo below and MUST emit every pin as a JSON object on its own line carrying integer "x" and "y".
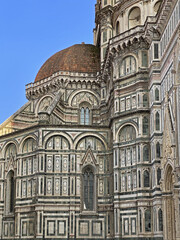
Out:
{"x": 30, "y": 32}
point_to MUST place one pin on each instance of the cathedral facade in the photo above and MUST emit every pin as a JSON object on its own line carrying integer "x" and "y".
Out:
{"x": 95, "y": 152}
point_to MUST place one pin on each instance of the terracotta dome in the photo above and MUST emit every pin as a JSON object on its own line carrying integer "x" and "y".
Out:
{"x": 83, "y": 58}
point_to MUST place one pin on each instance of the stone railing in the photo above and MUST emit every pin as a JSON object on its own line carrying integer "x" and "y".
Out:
{"x": 127, "y": 34}
{"x": 61, "y": 74}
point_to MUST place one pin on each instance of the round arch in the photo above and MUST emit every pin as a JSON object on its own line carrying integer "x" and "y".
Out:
{"x": 6, "y": 146}
{"x": 90, "y": 166}
{"x": 83, "y": 135}
{"x": 168, "y": 178}
{"x": 128, "y": 55}
{"x": 169, "y": 202}
{"x": 76, "y": 92}
{"x": 66, "y": 136}
{"x": 130, "y": 67}
{"x": 116, "y": 17}
{"x": 85, "y": 104}
{"x": 134, "y": 16}
{"x": 23, "y": 141}
{"x": 124, "y": 125}
{"x": 88, "y": 189}
{"x": 39, "y": 102}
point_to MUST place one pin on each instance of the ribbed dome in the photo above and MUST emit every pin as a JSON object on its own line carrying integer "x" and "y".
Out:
{"x": 83, "y": 58}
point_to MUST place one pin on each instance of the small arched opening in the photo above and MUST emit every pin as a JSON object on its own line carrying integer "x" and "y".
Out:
{"x": 145, "y": 100}
{"x": 157, "y": 121}
{"x": 88, "y": 183}
{"x": 85, "y": 113}
{"x": 145, "y": 126}
{"x": 10, "y": 193}
{"x": 134, "y": 17}
{"x": 117, "y": 28}
{"x": 146, "y": 179}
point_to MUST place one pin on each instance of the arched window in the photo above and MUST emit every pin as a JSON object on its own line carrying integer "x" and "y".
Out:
{"x": 140, "y": 220}
{"x": 139, "y": 178}
{"x": 158, "y": 176}
{"x": 117, "y": 28}
{"x": 160, "y": 218}
{"x": 139, "y": 154}
{"x": 109, "y": 223}
{"x": 145, "y": 126}
{"x": 57, "y": 143}
{"x": 155, "y": 220}
{"x": 127, "y": 133}
{"x": 145, "y": 100}
{"x": 94, "y": 143}
{"x": 134, "y": 17}
{"x": 82, "y": 116}
{"x": 146, "y": 153}
{"x": 128, "y": 66}
{"x": 169, "y": 179}
{"x": 85, "y": 116}
{"x": 103, "y": 93}
{"x": 144, "y": 56}
{"x": 116, "y": 106}
{"x": 104, "y": 36}
{"x": 10, "y": 193}
{"x": 153, "y": 177}
{"x": 148, "y": 220}
{"x": 157, "y": 121}
{"x": 157, "y": 94}
{"x": 44, "y": 104}
{"x": 116, "y": 183}
{"x": 88, "y": 189}
{"x": 158, "y": 150}
{"x": 30, "y": 145}
{"x": 146, "y": 179}
{"x": 10, "y": 151}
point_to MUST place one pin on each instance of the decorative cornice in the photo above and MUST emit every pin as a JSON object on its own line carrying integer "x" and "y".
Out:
{"x": 120, "y": 43}
{"x": 57, "y": 81}
{"x": 166, "y": 8}
{"x": 103, "y": 13}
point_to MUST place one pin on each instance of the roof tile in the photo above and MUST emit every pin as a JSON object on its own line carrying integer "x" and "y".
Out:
{"x": 83, "y": 58}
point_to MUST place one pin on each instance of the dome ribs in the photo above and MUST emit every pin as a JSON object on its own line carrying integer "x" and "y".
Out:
{"x": 83, "y": 58}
